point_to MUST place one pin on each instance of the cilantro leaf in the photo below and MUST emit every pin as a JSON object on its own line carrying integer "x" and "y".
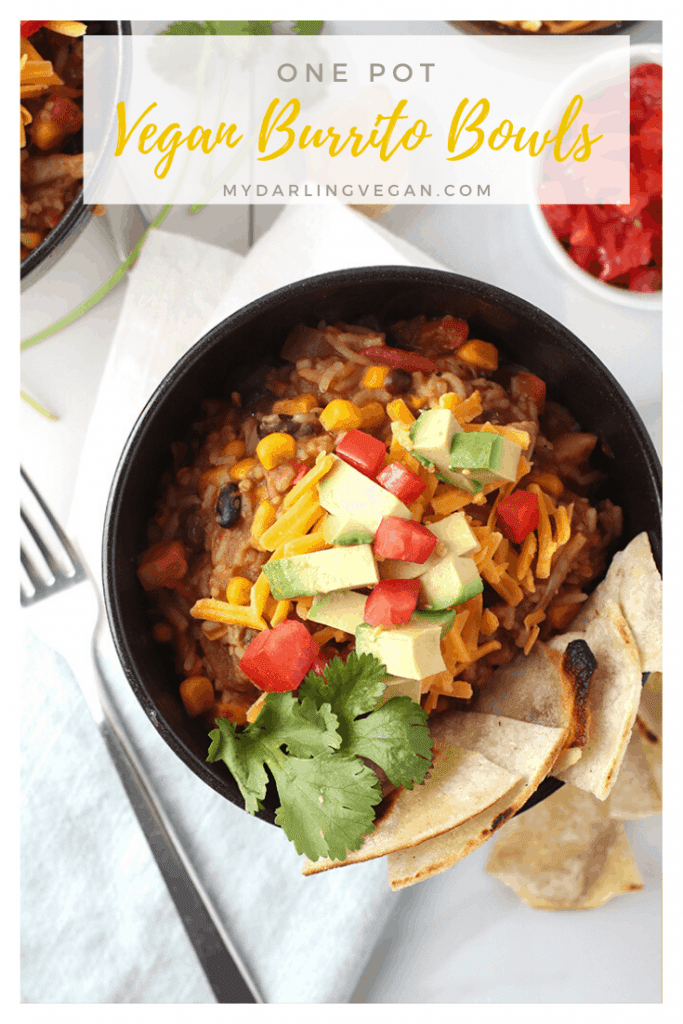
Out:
{"x": 305, "y": 729}
{"x": 327, "y": 803}
{"x": 307, "y": 28}
{"x": 186, "y": 28}
{"x": 395, "y": 735}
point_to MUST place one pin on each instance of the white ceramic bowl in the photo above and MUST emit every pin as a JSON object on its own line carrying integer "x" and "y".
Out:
{"x": 642, "y": 53}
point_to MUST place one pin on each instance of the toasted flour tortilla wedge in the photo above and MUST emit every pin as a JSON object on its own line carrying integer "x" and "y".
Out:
{"x": 533, "y": 689}
{"x": 612, "y": 700}
{"x": 566, "y": 853}
{"x": 634, "y": 583}
{"x": 520, "y": 747}
{"x": 462, "y": 783}
{"x": 635, "y": 794}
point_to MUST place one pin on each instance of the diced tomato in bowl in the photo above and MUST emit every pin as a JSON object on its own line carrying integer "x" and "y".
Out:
{"x": 620, "y": 245}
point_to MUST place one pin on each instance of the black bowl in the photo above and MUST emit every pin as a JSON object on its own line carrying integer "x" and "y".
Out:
{"x": 594, "y": 28}
{"x": 55, "y": 244}
{"x": 216, "y": 366}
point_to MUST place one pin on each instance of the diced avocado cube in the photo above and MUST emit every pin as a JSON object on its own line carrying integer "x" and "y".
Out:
{"x": 346, "y": 492}
{"x": 453, "y": 581}
{"x": 341, "y": 609}
{"x": 321, "y": 572}
{"x": 398, "y": 686}
{"x": 455, "y": 534}
{"x": 489, "y": 457}
{"x": 346, "y": 530}
{"x": 413, "y": 650}
{"x": 432, "y": 435}
{"x": 445, "y": 617}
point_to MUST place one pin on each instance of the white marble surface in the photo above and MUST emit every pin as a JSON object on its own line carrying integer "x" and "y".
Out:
{"x": 461, "y": 937}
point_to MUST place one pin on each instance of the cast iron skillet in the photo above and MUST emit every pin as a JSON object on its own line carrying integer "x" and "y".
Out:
{"x": 216, "y": 366}
{"x": 76, "y": 217}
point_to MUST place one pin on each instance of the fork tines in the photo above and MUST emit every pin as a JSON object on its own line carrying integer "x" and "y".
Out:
{"x": 48, "y": 557}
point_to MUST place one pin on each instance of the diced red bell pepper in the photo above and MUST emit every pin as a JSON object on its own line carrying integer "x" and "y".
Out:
{"x": 391, "y": 602}
{"x": 162, "y": 565}
{"x": 29, "y": 27}
{"x": 404, "y": 539}
{"x": 448, "y": 332}
{"x": 518, "y": 515}
{"x": 302, "y": 469}
{"x": 400, "y": 360}
{"x": 401, "y": 482}
{"x": 362, "y": 451}
{"x": 278, "y": 659}
{"x": 531, "y": 385}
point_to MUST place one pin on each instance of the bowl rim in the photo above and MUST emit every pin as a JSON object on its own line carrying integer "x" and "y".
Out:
{"x": 396, "y": 274}
{"x": 40, "y": 259}
{"x": 648, "y": 301}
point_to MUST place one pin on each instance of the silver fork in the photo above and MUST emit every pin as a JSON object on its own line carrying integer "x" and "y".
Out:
{"x": 53, "y": 569}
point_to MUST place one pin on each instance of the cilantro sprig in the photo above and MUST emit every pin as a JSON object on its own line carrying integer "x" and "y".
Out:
{"x": 312, "y": 744}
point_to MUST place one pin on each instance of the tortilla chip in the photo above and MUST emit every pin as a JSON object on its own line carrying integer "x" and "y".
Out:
{"x": 650, "y": 707}
{"x": 533, "y": 689}
{"x": 633, "y": 581}
{"x": 612, "y": 700}
{"x": 461, "y": 784}
{"x": 635, "y": 794}
{"x": 520, "y": 747}
{"x": 565, "y": 854}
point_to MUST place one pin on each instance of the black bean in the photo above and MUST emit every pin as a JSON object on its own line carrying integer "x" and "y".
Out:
{"x": 280, "y": 425}
{"x": 228, "y": 506}
{"x": 398, "y": 382}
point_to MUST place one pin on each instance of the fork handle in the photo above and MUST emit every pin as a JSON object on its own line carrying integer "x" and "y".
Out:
{"x": 227, "y": 980}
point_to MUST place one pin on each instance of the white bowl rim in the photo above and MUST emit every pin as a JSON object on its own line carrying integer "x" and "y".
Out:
{"x": 601, "y": 289}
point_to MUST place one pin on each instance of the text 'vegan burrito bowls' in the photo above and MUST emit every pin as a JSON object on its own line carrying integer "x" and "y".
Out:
{"x": 341, "y": 574}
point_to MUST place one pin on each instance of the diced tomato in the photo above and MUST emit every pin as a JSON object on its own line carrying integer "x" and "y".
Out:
{"x": 531, "y": 385}
{"x": 650, "y": 137}
{"x": 391, "y": 602}
{"x": 559, "y": 217}
{"x": 404, "y": 539}
{"x": 448, "y": 332}
{"x": 362, "y": 451}
{"x": 162, "y": 565}
{"x": 29, "y": 27}
{"x": 582, "y": 231}
{"x": 401, "y": 482}
{"x": 518, "y": 515}
{"x": 322, "y": 659}
{"x": 278, "y": 659}
{"x": 624, "y": 247}
{"x": 301, "y": 470}
{"x": 645, "y": 279}
{"x": 400, "y": 360}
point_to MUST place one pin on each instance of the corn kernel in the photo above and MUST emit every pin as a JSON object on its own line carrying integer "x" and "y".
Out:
{"x": 299, "y": 404}
{"x": 234, "y": 449}
{"x": 449, "y": 401}
{"x": 242, "y": 469}
{"x": 196, "y": 693}
{"x": 375, "y": 376}
{"x": 238, "y": 590}
{"x": 481, "y": 354}
{"x": 274, "y": 449}
{"x": 399, "y": 412}
{"x": 263, "y": 518}
{"x": 341, "y": 415}
{"x": 416, "y": 402}
{"x": 373, "y": 415}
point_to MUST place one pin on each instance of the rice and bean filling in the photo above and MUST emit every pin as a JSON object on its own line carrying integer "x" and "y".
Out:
{"x": 220, "y": 498}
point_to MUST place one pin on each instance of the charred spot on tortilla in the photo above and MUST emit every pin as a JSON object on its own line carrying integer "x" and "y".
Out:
{"x": 501, "y": 819}
{"x": 579, "y": 663}
{"x": 646, "y": 733}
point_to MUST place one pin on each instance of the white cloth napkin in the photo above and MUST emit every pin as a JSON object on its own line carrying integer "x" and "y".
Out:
{"x": 97, "y": 922}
